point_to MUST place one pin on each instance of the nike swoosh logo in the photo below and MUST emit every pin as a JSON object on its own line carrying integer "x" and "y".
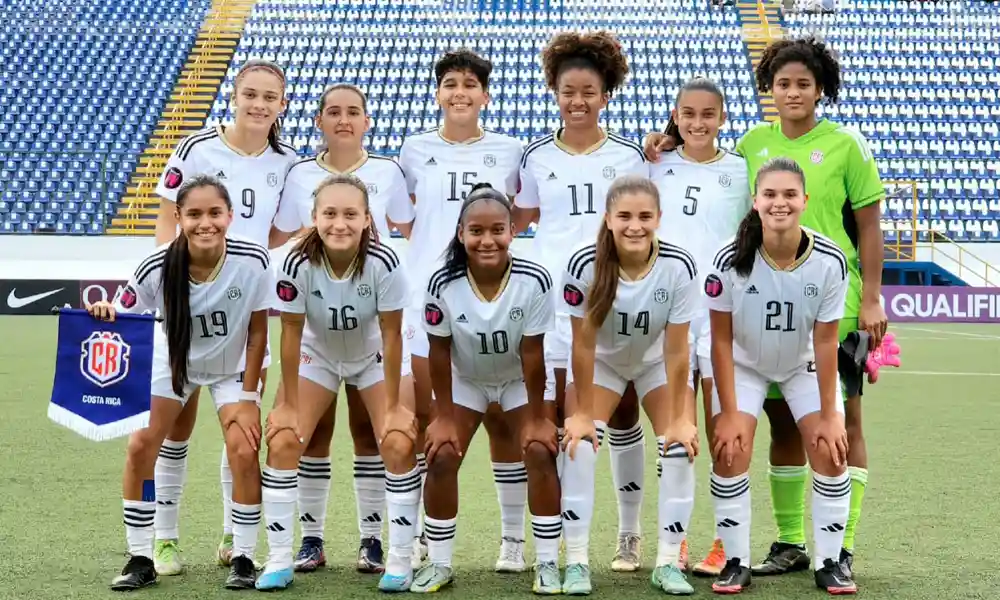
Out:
{"x": 14, "y": 302}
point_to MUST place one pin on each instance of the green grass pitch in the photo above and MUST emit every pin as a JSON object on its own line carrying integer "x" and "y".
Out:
{"x": 929, "y": 528}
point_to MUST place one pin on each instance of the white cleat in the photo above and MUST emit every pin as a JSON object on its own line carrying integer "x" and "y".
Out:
{"x": 511, "y": 556}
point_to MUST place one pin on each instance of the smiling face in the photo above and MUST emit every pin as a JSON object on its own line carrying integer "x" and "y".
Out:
{"x": 461, "y": 96}
{"x": 486, "y": 232}
{"x": 699, "y": 115}
{"x": 342, "y": 119}
{"x": 341, "y": 217}
{"x": 780, "y": 200}
{"x": 633, "y": 220}
{"x": 796, "y": 92}
{"x": 581, "y": 97}
{"x": 204, "y": 218}
{"x": 259, "y": 99}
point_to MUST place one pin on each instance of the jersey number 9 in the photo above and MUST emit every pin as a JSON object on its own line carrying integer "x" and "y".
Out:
{"x": 249, "y": 200}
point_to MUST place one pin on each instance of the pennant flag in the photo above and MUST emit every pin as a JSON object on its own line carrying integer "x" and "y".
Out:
{"x": 103, "y": 374}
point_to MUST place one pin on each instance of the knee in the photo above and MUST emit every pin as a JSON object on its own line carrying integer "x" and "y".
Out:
{"x": 538, "y": 459}
{"x": 142, "y": 447}
{"x": 821, "y": 460}
{"x": 446, "y": 462}
{"x": 241, "y": 455}
{"x": 283, "y": 448}
{"x": 397, "y": 451}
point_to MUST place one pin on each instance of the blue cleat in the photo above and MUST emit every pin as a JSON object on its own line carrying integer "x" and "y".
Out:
{"x": 395, "y": 583}
{"x": 274, "y": 580}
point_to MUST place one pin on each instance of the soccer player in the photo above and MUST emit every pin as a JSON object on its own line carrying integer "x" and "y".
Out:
{"x": 564, "y": 177}
{"x": 776, "y": 296}
{"x": 343, "y": 119}
{"x": 704, "y": 195}
{"x": 631, "y": 298}
{"x": 441, "y": 166}
{"x": 845, "y": 193}
{"x": 214, "y": 292}
{"x": 486, "y": 314}
{"x": 251, "y": 161}
{"x": 341, "y": 296}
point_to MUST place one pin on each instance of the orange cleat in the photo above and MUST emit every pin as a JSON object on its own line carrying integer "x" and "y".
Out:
{"x": 713, "y": 563}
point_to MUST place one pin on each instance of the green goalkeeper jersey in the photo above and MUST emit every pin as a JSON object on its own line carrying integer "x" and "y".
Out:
{"x": 841, "y": 177}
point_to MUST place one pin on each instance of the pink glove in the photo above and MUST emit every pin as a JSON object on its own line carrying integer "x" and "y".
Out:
{"x": 886, "y": 355}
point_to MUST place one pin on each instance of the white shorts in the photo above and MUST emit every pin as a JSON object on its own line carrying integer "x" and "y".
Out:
{"x": 800, "y": 390}
{"x": 225, "y": 389}
{"x": 330, "y": 374}
{"x": 558, "y": 346}
{"x": 477, "y": 396}
{"x": 700, "y": 342}
{"x": 645, "y": 378}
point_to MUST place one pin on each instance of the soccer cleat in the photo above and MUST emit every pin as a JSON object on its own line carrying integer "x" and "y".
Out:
{"x": 713, "y": 563}
{"x": 226, "y": 550}
{"x": 167, "y": 558}
{"x": 628, "y": 557}
{"x": 138, "y": 573}
{"x": 833, "y": 579}
{"x": 310, "y": 556}
{"x": 395, "y": 583}
{"x": 671, "y": 580}
{"x": 886, "y": 355}
{"x": 371, "y": 558}
{"x": 547, "y": 579}
{"x": 275, "y": 580}
{"x": 511, "y": 556}
{"x": 783, "y": 558}
{"x": 577, "y": 580}
{"x": 682, "y": 558}
{"x": 847, "y": 562}
{"x": 242, "y": 574}
{"x": 733, "y": 579}
{"x": 431, "y": 578}
{"x": 419, "y": 551}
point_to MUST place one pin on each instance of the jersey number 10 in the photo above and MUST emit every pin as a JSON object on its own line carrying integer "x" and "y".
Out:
{"x": 500, "y": 343}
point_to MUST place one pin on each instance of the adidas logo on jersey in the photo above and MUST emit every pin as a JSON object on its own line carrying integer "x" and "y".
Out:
{"x": 431, "y": 161}
{"x": 461, "y": 319}
{"x": 670, "y": 171}
{"x": 552, "y": 176}
{"x": 752, "y": 289}
{"x": 318, "y": 294}
{"x": 220, "y": 175}
{"x": 762, "y": 153}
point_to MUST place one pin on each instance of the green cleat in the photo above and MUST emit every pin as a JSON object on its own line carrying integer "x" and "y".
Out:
{"x": 167, "y": 558}
{"x": 547, "y": 580}
{"x": 431, "y": 578}
{"x": 671, "y": 580}
{"x": 577, "y": 581}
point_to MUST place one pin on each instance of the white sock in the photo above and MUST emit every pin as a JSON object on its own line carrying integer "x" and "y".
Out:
{"x": 314, "y": 491}
{"x": 422, "y": 466}
{"x": 279, "y": 490}
{"x": 547, "y": 531}
{"x": 561, "y": 454}
{"x": 369, "y": 493}
{"x": 676, "y": 501}
{"x": 440, "y": 540}
{"x": 512, "y": 493}
{"x": 169, "y": 474}
{"x": 246, "y": 518}
{"x": 578, "y": 501}
{"x": 628, "y": 470}
{"x": 139, "y": 517}
{"x": 731, "y": 496}
{"x": 831, "y": 503}
{"x": 226, "y": 477}
{"x": 402, "y": 495}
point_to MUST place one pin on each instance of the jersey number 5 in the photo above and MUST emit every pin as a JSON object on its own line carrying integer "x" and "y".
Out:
{"x": 690, "y": 209}
{"x": 774, "y": 313}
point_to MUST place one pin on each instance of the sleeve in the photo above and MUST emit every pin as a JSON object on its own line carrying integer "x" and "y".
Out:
{"x": 139, "y": 294}
{"x": 289, "y": 217}
{"x": 527, "y": 193}
{"x": 264, "y": 298}
{"x": 436, "y": 317}
{"x": 574, "y": 292}
{"x": 834, "y": 295}
{"x": 718, "y": 285}
{"x": 292, "y": 286}
{"x": 399, "y": 208}
{"x": 863, "y": 183}
{"x": 180, "y": 167}
{"x": 392, "y": 289}
{"x": 407, "y": 162}
{"x": 686, "y": 299}
{"x": 510, "y": 182}
{"x": 740, "y": 148}
{"x": 541, "y": 313}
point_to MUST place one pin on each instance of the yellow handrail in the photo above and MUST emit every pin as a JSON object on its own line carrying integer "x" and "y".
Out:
{"x": 971, "y": 268}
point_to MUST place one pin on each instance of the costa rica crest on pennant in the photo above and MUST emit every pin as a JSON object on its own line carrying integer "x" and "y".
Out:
{"x": 104, "y": 358}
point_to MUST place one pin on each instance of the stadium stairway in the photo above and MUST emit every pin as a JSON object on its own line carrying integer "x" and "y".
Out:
{"x": 761, "y": 23}
{"x": 186, "y": 112}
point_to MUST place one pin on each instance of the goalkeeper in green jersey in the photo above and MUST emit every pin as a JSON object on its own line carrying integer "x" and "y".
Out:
{"x": 845, "y": 194}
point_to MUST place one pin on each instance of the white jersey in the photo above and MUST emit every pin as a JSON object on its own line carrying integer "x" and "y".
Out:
{"x": 220, "y": 308}
{"x": 486, "y": 335}
{"x": 702, "y": 203}
{"x": 440, "y": 174}
{"x": 387, "y": 194}
{"x": 342, "y": 313}
{"x": 632, "y": 333}
{"x": 570, "y": 190}
{"x": 254, "y": 182}
{"x": 774, "y": 310}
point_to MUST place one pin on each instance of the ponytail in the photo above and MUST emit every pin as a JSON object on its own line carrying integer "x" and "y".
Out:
{"x": 176, "y": 284}
{"x": 604, "y": 288}
{"x": 749, "y": 238}
{"x": 311, "y": 245}
{"x": 274, "y": 136}
{"x": 674, "y": 131}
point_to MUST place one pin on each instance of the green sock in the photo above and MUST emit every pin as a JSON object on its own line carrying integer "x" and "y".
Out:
{"x": 859, "y": 481}
{"x": 788, "y": 499}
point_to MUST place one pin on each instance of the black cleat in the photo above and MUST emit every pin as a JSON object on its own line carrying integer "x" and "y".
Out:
{"x": 783, "y": 558}
{"x": 371, "y": 558}
{"x": 833, "y": 579}
{"x": 138, "y": 573}
{"x": 733, "y": 579}
{"x": 847, "y": 562}
{"x": 242, "y": 574}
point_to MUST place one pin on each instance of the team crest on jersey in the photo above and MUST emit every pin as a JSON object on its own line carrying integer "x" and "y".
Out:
{"x": 433, "y": 314}
{"x": 725, "y": 180}
{"x": 104, "y": 358}
{"x": 287, "y": 291}
{"x": 608, "y": 172}
{"x": 372, "y": 189}
{"x": 233, "y": 293}
{"x": 713, "y": 286}
{"x": 816, "y": 157}
{"x": 811, "y": 291}
{"x": 516, "y": 314}
{"x": 660, "y": 296}
{"x": 572, "y": 295}
{"x": 272, "y": 179}
{"x": 173, "y": 179}
{"x": 128, "y": 297}
{"x": 364, "y": 290}
{"x": 489, "y": 160}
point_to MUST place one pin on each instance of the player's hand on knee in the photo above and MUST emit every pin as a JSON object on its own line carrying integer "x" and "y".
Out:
{"x": 831, "y": 432}
{"x": 402, "y": 420}
{"x": 729, "y": 438}
{"x": 540, "y": 430}
{"x": 577, "y": 428}
{"x": 102, "y": 310}
{"x": 441, "y": 431}
{"x": 249, "y": 423}
{"x": 683, "y": 432}
{"x": 282, "y": 417}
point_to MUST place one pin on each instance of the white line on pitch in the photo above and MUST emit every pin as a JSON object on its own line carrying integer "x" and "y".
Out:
{"x": 941, "y": 373}
{"x": 980, "y": 336}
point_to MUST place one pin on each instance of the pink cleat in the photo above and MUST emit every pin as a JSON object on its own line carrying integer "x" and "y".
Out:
{"x": 886, "y": 355}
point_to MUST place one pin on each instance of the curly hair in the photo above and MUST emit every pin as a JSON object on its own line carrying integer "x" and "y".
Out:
{"x": 599, "y": 51}
{"x": 809, "y": 51}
